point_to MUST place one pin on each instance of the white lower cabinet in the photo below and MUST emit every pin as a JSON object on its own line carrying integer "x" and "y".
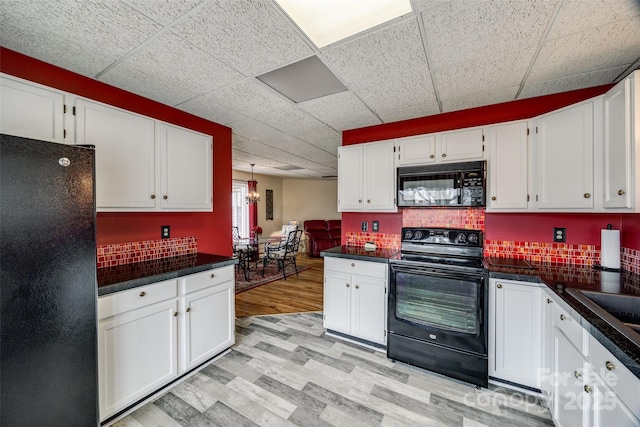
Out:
{"x": 355, "y": 298}
{"x": 515, "y": 332}
{"x": 208, "y": 326}
{"x": 569, "y": 399}
{"x": 150, "y": 335}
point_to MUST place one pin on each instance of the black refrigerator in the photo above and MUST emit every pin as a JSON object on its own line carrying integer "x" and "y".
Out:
{"x": 48, "y": 292}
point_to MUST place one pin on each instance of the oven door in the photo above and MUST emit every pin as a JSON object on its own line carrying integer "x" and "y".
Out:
{"x": 440, "y": 305}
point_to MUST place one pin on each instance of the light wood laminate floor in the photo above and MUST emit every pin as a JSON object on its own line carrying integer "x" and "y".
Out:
{"x": 297, "y": 294}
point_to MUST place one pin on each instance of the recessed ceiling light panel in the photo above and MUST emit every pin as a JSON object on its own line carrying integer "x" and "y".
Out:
{"x": 327, "y": 21}
{"x": 303, "y": 80}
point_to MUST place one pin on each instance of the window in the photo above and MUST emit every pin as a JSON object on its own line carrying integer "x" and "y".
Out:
{"x": 240, "y": 209}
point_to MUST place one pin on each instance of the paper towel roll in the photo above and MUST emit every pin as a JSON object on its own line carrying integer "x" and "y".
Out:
{"x": 610, "y": 248}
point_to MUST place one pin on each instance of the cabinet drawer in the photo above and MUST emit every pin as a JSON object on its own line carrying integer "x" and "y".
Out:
{"x": 621, "y": 380}
{"x": 120, "y": 302}
{"x": 199, "y": 281}
{"x": 354, "y": 266}
{"x": 570, "y": 327}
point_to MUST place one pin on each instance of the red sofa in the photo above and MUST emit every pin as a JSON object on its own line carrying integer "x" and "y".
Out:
{"x": 322, "y": 234}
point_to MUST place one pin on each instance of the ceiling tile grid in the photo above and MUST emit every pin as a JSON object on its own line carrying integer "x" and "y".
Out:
{"x": 203, "y": 56}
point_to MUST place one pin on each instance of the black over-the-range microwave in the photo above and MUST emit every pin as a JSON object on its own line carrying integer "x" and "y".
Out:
{"x": 443, "y": 185}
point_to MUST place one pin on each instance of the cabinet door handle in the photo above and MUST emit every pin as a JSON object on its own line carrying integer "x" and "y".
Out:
{"x": 549, "y": 301}
{"x": 153, "y": 196}
{"x": 499, "y": 286}
{"x": 610, "y": 366}
{"x": 143, "y": 293}
{"x": 348, "y": 285}
{"x": 188, "y": 309}
{"x": 359, "y": 200}
{"x": 587, "y": 195}
{"x": 432, "y": 156}
{"x": 587, "y": 389}
{"x": 175, "y": 314}
{"x": 213, "y": 275}
{"x": 165, "y": 197}
{"x": 562, "y": 317}
{"x": 353, "y": 264}
{"x": 368, "y": 201}
{"x": 444, "y": 155}
{"x": 494, "y": 198}
{"x": 620, "y": 192}
{"x": 357, "y": 286}
{"x": 577, "y": 374}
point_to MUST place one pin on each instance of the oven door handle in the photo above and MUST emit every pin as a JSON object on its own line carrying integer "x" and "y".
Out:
{"x": 434, "y": 271}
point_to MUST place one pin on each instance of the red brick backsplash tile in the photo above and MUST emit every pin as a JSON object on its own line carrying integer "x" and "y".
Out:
{"x": 469, "y": 218}
{"x": 132, "y": 252}
{"x": 630, "y": 260}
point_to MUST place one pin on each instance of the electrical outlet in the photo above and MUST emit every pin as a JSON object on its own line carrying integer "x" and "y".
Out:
{"x": 559, "y": 234}
{"x": 375, "y": 226}
{"x": 165, "y": 231}
{"x": 365, "y": 226}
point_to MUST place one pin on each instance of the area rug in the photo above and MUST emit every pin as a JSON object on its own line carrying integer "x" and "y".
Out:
{"x": 271, "y": 274}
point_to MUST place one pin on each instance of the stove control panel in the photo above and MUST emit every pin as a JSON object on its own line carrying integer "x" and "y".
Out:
{"x": 443, "y": 236}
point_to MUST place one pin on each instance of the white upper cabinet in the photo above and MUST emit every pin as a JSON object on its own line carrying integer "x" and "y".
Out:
{"x": 565, "y": 158}
{"x": 508, "y": 167}
{"x": 143, "y": 164}
{"x": 31, "y": 110}
{"x": 366, "y": 177}
{"x": 416, "y": 150}
{"x": 444, "y": 147}
{"x": 125, "y": 155}
{"x": 621, "y": 145}
{"x": 186, "y": 162}
{"x": 461, "y": 145}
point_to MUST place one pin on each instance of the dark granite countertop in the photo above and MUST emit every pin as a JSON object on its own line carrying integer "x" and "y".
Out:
{"x": 128, "y": 276}
{"x": 559, "y": 278}
{"x": 358, "y": 252}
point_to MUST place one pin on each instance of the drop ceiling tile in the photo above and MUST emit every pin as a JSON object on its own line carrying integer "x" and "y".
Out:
{"x": 250, "y": 36}
{"x": 484, "y": 74}
{"x": 476, "y": 99}
{"x": 340, "y": 111}
{"x": 82, "y": 36}
{"x": 163, "y": 11}
{"x": 579, "y": 53}
{"x": 388, "y": 55}
{"x": 170, "y": 70}
{"x": 399, "y": 94}
{"x": 410, "y": 113}
{"x": 249, "y": 98}
{"x": 207, "y": 106}
{"x": 459, "y": 31}
{"x": 322, "y": 136}
{"x": 578, "y": 15}
{"x": 573, "y": 82}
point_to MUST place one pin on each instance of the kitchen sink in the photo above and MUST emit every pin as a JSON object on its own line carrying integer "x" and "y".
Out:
{"x": 621, "y": 311}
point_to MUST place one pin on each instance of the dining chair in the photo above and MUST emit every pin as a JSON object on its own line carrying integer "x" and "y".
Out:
{"x": 244, "y": 252}
{"x": 284, "y": 253}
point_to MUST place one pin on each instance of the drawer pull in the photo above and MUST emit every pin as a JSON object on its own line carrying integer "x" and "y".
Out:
{"x": 587, "y": 195}
{"x": 562, "y": 317}
{"x": 549, "y": 301}
{"x": 620, "y": 192}
{"x": 165, "y": 197}
{"x": 577, "y": 374}
{"x": 499, "y": 286}
{"x": 610, "y": 366}
{"x": 357, "y": 286}
{"x": 444, "y": 155}
{"x": 188, "y": 309}
{"x": 153, "y": 196}
{"x": 143, "y": 293}
{"x": 587, "y": 389}
{"x": 494, "y": 198}
{"x": 432, "y": 156}
{"x": 213, "y": 275}
{"x": 353, "y": 264}
{"x": 348, "y": 285}
{"x": 175, "y": 314}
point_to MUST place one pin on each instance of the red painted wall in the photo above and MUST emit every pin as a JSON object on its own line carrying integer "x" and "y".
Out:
{"x": 211, "y": 228}
{"x": 581, "y": 228}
